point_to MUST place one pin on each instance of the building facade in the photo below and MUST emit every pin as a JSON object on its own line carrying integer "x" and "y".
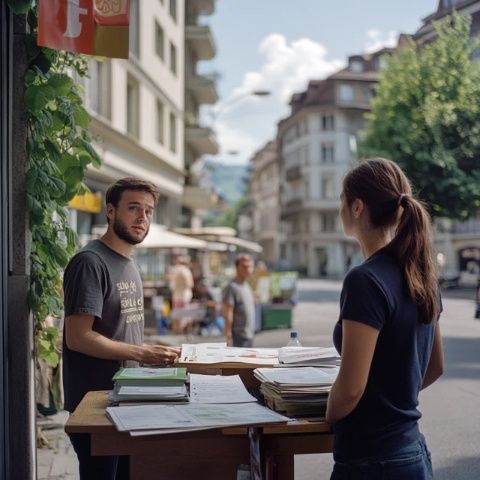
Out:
{"x": 137, "y": 110}
{"x": 200, "y": 89}
{"x": 317, "y": 146}
{"x": 264, "y": 195}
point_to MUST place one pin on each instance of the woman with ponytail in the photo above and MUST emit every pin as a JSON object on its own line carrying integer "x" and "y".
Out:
{"x": 387, "y": 333}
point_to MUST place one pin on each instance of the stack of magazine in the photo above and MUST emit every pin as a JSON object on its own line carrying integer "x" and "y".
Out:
{"x": 308, "y": 356}
{"x": 298, "y": 391}
{"x": 149, "y": 384}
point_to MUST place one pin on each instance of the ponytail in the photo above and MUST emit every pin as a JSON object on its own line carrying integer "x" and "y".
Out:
{"x": 412, "y": 246}
{"x": 383, "y": 186}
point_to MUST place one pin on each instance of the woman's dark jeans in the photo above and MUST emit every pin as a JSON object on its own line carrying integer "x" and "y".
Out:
{"x": 409, "y": 463}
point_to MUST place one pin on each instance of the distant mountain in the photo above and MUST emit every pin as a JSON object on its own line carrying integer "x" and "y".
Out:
{"x": 228, "y": 180}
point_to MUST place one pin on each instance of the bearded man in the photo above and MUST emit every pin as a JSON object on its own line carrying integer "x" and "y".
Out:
{"x": 104, "y": 315}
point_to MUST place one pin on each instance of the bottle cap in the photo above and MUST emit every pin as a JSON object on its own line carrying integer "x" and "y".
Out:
{"x": 293, "y": 334}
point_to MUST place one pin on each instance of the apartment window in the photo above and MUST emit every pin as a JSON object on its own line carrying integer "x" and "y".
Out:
{"x": 173, "y": 58}
{"x": 160, "y": 122}
{"x": 328, "y": 188}
{"x": 304, "y": 127}
{"x": 159, "y": 41}
{"x": 382, "y": 62}
{"x": 99, "y": 87}
{"x": 173, "y": 9}
{"x": 173, "y": 132}
{"x": 132, "y": 106}
{"x": 134, "y": 28}
{"x": 328, "y": 122}
{"x": 328, "y": 153}
{"x": 328, "y": 221}
{"x": 346, "y": 93}
{"x": 356, "y": 66}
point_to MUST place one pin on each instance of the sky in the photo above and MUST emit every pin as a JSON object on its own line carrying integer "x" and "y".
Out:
{"x": 279, "y": 45}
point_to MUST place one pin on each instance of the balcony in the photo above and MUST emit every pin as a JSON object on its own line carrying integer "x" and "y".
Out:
{"x": 199, "y": 198}
{"x": 203, "y": 89}
{"x": 291, "y": 207}
{"x": 468, "y": 228}
{"x": 200, "y": 40}
{"x": 203, "y": 7}
{"x": 293, "y": 173}
{"x": 201, "y": 139}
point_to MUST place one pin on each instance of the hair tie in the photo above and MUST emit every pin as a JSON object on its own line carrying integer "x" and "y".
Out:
{"x": 400, "y": 199}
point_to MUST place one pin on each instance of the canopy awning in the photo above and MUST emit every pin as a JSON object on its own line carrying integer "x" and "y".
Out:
{"x": 225, "y": 235}
{"x": 241, "y": 243}
{"x": 160, "y": 237}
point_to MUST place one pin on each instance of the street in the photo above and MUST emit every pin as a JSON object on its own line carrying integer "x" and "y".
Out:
{"x": 450, "y": 423}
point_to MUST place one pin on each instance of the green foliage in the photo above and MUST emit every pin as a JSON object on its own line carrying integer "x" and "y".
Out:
{"x": 426, "y": 117}
{"x": 20, "y": 6}
{"x": 229, "y": 218}
{"x": 59, "y": 152}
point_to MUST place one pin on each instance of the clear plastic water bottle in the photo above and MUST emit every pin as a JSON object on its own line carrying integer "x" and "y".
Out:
{"x": 294, "y": 341}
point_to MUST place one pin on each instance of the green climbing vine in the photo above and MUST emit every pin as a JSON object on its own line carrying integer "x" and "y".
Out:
{"x": 59, "y": 151}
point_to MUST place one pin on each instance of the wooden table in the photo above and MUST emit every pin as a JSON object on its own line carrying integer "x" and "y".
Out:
{"x": 208, "y": 454}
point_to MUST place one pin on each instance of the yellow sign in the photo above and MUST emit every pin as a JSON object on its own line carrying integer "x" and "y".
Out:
{"x": 88, "y": 202}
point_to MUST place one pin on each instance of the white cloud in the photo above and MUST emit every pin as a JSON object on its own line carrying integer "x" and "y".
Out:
{"x": 377, "y": 40}
{"x": 288, "y": 66}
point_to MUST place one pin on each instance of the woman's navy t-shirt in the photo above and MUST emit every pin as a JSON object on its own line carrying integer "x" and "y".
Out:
{"x": 385, "y": 419}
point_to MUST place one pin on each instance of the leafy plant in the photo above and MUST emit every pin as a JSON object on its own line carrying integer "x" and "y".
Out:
{"x": 59, "y": 151}
{"x": 426, "y": 117}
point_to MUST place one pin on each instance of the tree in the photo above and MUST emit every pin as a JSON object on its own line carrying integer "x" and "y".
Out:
{"x": 229, "y": 218}
{"x": 426, "y": 117}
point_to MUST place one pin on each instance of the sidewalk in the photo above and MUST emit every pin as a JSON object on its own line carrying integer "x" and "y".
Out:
{"x": 58, "y": 461}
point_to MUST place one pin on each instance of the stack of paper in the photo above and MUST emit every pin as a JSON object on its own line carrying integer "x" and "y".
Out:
{"x": 308, "y": 356}
{"x": 299, "y": 391}
{"x": 149, "y": 384}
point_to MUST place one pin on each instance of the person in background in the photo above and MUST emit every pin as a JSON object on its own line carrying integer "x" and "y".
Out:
{"x": 205, "y": 295}
{"x": 259, "y": 272}
{"x": 388, "y": 332}
{"x": 104, "y": 316}
{"x": 181, "y": 282}
{"x": 239, "y": 305}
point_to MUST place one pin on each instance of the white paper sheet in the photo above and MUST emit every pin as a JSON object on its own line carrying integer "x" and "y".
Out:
{"x": 218, "y": 389}
{"x": 192, "y": 415}
{"x": 208, "y": 353}
{"x": 297, "y": 375}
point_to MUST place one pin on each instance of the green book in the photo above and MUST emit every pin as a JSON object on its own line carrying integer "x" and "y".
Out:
{"x": 142, "y": 376}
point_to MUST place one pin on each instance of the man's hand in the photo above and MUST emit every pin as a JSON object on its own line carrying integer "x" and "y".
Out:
{"x": 81, "y": 338}
{"x": 159, "y": 355}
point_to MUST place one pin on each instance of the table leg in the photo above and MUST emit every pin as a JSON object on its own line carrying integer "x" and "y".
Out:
{"x": 278, "y": 466}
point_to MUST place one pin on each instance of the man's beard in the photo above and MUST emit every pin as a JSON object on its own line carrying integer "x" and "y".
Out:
{"x": 122, "y": 233}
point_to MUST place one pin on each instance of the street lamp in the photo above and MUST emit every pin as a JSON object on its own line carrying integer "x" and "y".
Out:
{"x": 229, "y": 103}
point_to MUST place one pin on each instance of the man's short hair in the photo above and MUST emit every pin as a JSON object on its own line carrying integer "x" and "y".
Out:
{"x": 242, "y": 257}
{"x": 115, "y": 191}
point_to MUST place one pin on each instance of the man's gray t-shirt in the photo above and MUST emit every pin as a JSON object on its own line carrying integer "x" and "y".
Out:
{"x": 240, "y": 297}
{"x": 99, "y": 281}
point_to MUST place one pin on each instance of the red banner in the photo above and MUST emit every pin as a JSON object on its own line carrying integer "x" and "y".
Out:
{"x": 94, "y": 27}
